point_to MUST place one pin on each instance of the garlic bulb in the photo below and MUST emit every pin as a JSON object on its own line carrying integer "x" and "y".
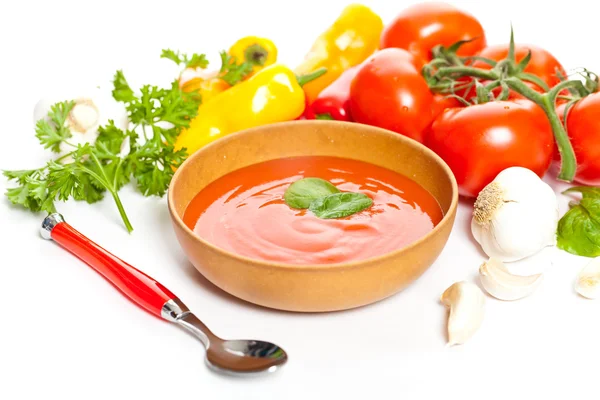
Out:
{"x": 466, "y": 302}
{"x": 515, "y": 216}
{"x": 497, "y": 280}
{"x": 92, "y": 109}
{"x": 588, "y": 280}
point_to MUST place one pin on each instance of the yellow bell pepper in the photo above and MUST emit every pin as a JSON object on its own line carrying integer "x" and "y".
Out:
{"x": 206, "y": 87}
{"x": 260, "y": 52}
{"x": 274, "y": 94}
{"x": 352, "y": 38}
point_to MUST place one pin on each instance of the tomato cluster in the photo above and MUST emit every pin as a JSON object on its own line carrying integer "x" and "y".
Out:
{"x": 480, "y": 140}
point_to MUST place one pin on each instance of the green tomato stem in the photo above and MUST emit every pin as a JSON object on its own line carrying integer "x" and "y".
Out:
{"x": 533, "y": 79}
{"x": 467, "y": 71}
{"x": 546, "y": 102}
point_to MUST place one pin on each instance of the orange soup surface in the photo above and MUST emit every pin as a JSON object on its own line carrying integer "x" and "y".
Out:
{"x": 244, "y": 212}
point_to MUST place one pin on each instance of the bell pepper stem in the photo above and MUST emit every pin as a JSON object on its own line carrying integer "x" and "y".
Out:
{"x": 304, "y": 79}
{"x": 546, "y": 101}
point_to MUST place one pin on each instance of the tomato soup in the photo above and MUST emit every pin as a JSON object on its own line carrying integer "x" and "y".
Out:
{"x": 244, "y": 212}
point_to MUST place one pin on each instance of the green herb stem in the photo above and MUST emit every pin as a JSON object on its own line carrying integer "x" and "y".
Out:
{"x": 112, "y": 188}
{"x": 122, "y": 212}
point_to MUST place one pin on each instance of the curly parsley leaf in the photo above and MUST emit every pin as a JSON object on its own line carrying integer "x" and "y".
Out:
{"x": 178, "y": 107}
{"x": 232, "y": 72}
{"x": 110, "y": 139}
{"x": 31, "y": 192}
{"x": 154, "y": 162}
{"x": 53, "y": 130}
{"x": 193, "y": 61}
{"x": 122, "y": 91}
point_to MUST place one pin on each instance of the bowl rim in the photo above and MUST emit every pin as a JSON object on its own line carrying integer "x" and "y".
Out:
{"x": 446, "y": 219}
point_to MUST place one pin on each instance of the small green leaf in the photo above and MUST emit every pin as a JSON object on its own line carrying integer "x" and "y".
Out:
{"x": 340, "y": 205}
{"x": 171, "y": 55}
{"x": 301, "y": 193}
{"x": 110, "y": 138}
{"x": 19, "y": 175}
{"x": 579, "y": 229}
{"x": 53, "y": 131}
{"x": 122, "y": 91}
{"x": 195, "y": 61}
{"x": 232, "y": 72}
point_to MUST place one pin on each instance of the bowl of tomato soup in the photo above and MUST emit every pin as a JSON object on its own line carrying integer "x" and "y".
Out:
{"x": 313, "y": 216}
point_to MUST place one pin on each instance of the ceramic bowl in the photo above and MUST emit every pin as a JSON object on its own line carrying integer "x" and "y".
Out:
{"x": 313, "y": 288}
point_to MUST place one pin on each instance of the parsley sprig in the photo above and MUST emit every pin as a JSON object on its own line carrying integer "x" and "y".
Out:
{"x": 87, "y": 172}
{"x": 193, "y": 61}
{"x": 231, "y": 71}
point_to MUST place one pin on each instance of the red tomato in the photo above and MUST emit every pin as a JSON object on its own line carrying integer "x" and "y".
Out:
{"x": 478, "y": 142}
{"x": 389, "y": 91}
{"x": 583, "y": 126}
{"x": 421, "y": 27}
{"x": 542, "y": 64}
{"x": 442, "y": 102}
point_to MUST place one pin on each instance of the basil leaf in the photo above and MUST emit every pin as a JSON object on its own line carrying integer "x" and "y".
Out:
{"x": 579, "y": 229}
{"x": 325, "y": 116}
{"x": 301, "y": 193}
{"x": 340, "y": 205}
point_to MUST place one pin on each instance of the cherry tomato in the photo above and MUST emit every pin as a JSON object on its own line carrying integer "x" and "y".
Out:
{"x": 542, "y": 64}
{"x": 388, "y": 91}
{"x": 583, "y": 127}
{"x": 421, "y": 27}
{"x": 480, "y": 141}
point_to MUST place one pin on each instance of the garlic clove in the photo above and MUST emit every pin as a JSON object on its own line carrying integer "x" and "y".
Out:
{"x": 466, "y": 302}
{"x": 93, "y": 108}
{"x": 588, "y": 280}
{"x": 497, "y": 280}
{"x": 515, "y": 216}
{"x": 84, "y": 116}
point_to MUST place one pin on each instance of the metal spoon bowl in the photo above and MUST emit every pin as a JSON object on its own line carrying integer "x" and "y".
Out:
{"x": 231, "y": 356}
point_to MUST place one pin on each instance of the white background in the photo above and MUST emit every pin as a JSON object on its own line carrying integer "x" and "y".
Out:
{"x": 65, "y": 333}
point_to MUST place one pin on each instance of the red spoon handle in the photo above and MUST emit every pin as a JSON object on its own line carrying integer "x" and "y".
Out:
{"x": 139, "y": 287}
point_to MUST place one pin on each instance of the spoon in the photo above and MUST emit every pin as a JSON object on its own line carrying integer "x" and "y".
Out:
{"x": 230, "y": 356}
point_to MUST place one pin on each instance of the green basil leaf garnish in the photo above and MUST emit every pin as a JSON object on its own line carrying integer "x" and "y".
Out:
{"x": 301, "y": 193}
{"x": 579, "y": 229}
{"x": 324, "y": 116}
{"x": 340, "y": 205}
